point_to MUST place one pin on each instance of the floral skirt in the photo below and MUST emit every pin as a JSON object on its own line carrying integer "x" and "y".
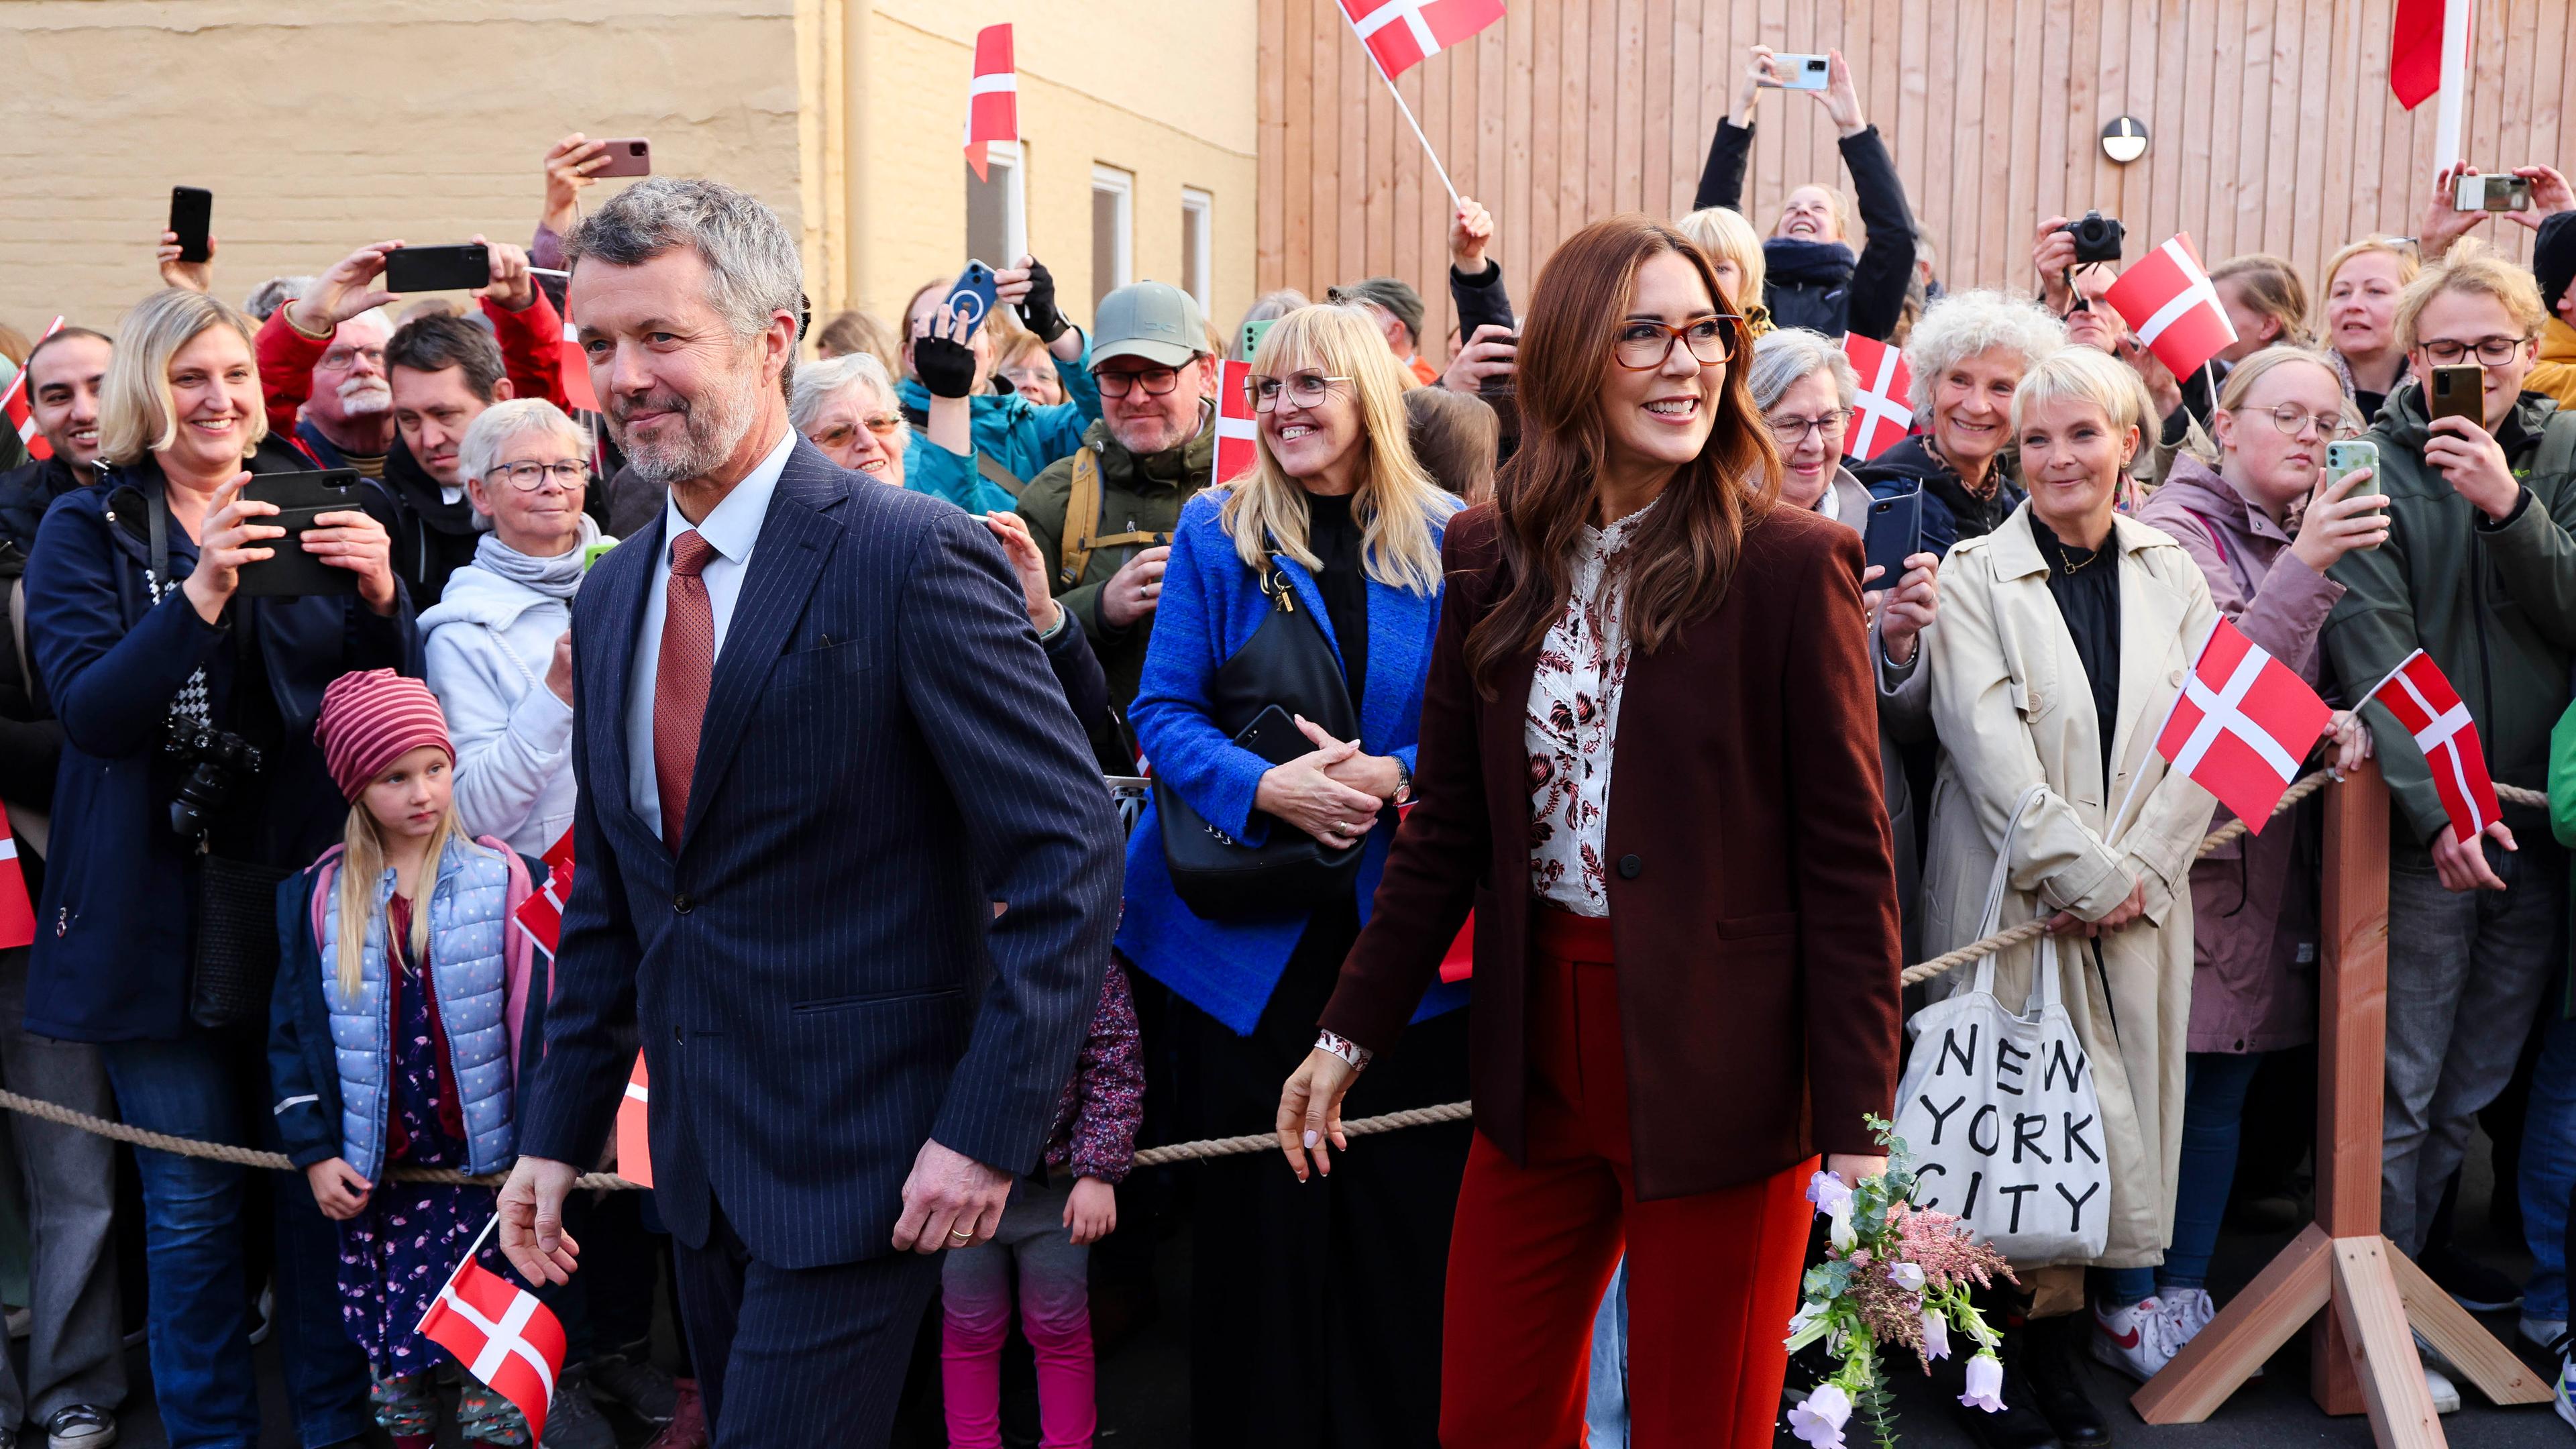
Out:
{"x": 395, "y": 1256}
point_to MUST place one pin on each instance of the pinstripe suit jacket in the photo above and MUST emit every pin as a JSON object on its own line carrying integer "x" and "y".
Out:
{"x": 818, "y": 978}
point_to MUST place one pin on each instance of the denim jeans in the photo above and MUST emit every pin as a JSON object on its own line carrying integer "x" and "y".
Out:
{"x": 77, "y": 1352}
{"x": 1605, "y": 1403}
{"x": 2213, "y": 1122}
{"x": 2549, "y": 1170}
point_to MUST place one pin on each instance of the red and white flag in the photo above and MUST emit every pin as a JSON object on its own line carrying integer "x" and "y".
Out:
{"x": 502, "y": 1335}
{"x": 992, "y": 97}
{"x": 1404, "y": 33}
{"x": 2169, "y": 302}
{"x": 2242, "y": 724}
{"x": 1236, "y": 431}
{"x": 541, "y": 914}
{"x": 575, "y": 366}
{"x": 2415, "y": 52}
{"x": 22, "y": 413}
{"x": 17, "y": 913}
{"x": 2427, "y": 707}
{"x": 1885, "y": 382}
{"x": 634, "y": 1144}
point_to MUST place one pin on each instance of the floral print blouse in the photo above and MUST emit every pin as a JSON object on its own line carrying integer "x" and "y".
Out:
{"x": 1572, "y": 721}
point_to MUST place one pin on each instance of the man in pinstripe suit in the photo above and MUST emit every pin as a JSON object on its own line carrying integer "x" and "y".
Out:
{"x": 816, "y": 741}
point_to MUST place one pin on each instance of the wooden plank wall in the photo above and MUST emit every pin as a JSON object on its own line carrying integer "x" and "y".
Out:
{"x": 2271, "y": 122}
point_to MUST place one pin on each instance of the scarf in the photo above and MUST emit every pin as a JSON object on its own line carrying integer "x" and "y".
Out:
{"x": 1786, "y": 259}
{"x": 558, "y": 577}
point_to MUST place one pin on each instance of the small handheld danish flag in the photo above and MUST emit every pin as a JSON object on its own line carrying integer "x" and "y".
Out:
{"x": 541, "y": 914}
{"x": 1236, "y": 431}
{"x": 634, "y": 1143}
{"x": 22, "y": 413}
{"x": 2169, "y": 302}
{"x": 1885, "y": 383}
{"x": 992, "y": 97}
{"x": 2242, "y": 724}
{"x": 2426, "y": 705}
{"x": 17, "y": 913}
{"x": 1404, "y": 33}
{"x": 501, "y": 1334}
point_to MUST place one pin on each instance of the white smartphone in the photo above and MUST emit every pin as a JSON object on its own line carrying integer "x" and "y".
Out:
{"x": 1800, "y": 72}
{"x": 2492, "y": 193}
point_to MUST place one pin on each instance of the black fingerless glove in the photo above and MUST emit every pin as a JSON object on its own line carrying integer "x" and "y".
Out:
{"x": 946, "y": 368}
{"x": 1038, "y": 313}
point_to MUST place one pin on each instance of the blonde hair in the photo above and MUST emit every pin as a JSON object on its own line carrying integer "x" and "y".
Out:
{"x": 2272, "y": 287}
{"x": 362, "y": 865}
{"x": 2409, "y": 265}
{"x": 2469, "y": 268}
{"x": 1726, "y": 236}
{"x": 2242, "y": 377}
{"x": 1396, "y": 499}
{"x": 2089, "y": 375}
{"x": 136, "y": 413}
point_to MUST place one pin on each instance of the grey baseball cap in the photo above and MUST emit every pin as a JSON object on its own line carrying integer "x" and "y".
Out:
{"x": 1152, "y": 320}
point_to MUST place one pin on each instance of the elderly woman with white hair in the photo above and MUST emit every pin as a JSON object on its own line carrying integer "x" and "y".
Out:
{"x": 846, "y": 406}
{"x": 1967, "y": 355}
{"x": 498, "y": 641}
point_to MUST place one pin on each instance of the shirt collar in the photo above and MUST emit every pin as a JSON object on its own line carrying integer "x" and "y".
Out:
{"x": 1603, "y": 540}
{"x": 733, "y": 525}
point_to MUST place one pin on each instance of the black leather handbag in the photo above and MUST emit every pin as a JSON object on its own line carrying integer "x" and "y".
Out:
{"x": 1286, "y": 667}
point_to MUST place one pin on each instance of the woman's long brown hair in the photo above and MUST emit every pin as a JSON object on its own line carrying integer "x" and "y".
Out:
{"x": 1685, "y": 553}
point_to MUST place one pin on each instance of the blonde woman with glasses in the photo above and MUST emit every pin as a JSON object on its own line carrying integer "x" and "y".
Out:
{"x": 1323, "y": 564}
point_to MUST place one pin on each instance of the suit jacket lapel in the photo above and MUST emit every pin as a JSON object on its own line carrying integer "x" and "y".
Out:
{"x": 795, "y": 539}
{"x": 621, "y": 583}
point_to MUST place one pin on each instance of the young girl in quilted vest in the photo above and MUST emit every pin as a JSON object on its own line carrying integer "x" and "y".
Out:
{"x": 403, "y": 1000}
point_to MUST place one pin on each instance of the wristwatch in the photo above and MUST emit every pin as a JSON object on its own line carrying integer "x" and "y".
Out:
{"x": 1403, "y": 783}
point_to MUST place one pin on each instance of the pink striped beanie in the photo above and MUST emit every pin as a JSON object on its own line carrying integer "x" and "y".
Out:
{"x": 372, "y": 718}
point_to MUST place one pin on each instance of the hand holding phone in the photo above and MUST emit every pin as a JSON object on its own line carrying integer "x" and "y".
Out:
{"x": 971, "y": 300}
{"x": 192, "y": 210}
{"x": 2457, "y": 391}
{"x": 1891, "y": 534}
{"x": 625, "y": 156}
{"x": 2348, "y": 511}
{"x": 438, "y": 269}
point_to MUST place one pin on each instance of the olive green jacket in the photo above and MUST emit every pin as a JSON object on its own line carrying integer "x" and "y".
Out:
{"x": 1136, "y": 495}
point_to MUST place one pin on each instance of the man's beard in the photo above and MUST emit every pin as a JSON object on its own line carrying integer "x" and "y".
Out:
{"x": 365, "y": 397}
{"x": 1160, "y": 433}
{"x": 711, "y": 427}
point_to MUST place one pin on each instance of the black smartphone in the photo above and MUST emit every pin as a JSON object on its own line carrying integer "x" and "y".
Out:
{"x": 1274, "y": 736}
{"x": 1892, "y": 534}
{"x": 2457, "y": 392}
{"x": 192, "y": 210}
{"x": 438, "y": 269}
{"x": 300, "y": 498}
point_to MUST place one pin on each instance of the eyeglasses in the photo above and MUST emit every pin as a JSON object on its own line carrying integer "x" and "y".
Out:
{"x": 2295, "y": 422}
{"x": 1157, "y": 381}
{"x": 341, "y": 359}
{"x": 1304, "y": 389}
{"x": 2491, "y": 351}
{"x": 568, "y": 475}
{"x": 1643, "y": 345}
{"x": 1791, "y": 431}
{"x": 837, "y": 437}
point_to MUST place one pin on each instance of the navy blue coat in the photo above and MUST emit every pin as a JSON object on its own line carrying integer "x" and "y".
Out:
{"x": 818, "y": 978}
{"x": 115, "y": 927}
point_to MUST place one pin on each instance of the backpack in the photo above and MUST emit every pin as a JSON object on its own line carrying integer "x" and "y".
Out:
{"x": 1082, "y": 534}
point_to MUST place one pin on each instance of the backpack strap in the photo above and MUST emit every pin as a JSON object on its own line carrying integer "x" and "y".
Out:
{"x": 1081, "y": 515}
{"x": 999, "y": 476}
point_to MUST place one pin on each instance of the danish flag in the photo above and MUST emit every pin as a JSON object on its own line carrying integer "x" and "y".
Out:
{"x": 1885, "y": 384}
{"x": 1236, "y": 448}
{"x": 634, "y": 1144}
{"x": 2426, "y": 705}
{"x": 2169, "y": 302}
{"x": 17, "y": 913}
{"x": 541, "y": 914}
{"x": 1404, "y": 33}
{"x": 22, "y": 415}
{"x": 575, "y": 367}
{"x": 501, "y": 1334}
{"x": 992, "y": 97}
{"x": 2242, "y": 724}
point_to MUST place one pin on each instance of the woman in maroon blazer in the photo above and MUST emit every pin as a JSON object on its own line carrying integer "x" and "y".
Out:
{"x": 1686, "y": 973}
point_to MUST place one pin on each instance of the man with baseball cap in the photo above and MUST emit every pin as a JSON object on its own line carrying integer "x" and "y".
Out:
{"x": 1103, "y": 517}
{"x": 1398, "y": 310}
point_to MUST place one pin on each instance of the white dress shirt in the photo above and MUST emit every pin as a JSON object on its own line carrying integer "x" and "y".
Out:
{"x": 731, "y": 528}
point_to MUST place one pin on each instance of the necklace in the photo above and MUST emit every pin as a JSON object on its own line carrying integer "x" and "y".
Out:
{"x": 2076, "y": 568}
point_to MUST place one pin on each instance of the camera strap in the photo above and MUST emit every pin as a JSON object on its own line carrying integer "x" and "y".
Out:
{"x": 190, "y": 704}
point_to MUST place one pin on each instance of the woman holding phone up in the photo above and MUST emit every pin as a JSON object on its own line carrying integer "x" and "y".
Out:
{"x": 166, "y": 828}
{"x": 1686, "y": 970}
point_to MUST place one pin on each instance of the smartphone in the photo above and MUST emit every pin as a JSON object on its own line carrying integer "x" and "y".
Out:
{"x": 300, "y": 498}
{"x": 192, "y": 210}
{"x": 1800, "y": 72}
{"x": 2457, "y": 392}
{"x": 2351, "y": 456}
{"x": 1892, "y": 534}
{"x": 438, "y": 269}
{"x": 627, "y": 156}
{"x": 593, "y": 554}
{"x": 2492, "y": 193}
{"x": 1253, "y": 332}
{"x": 972, "y": 298}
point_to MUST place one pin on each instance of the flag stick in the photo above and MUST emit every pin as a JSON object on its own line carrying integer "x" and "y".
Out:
{"x": 470, "y": 1250}
{"x": 2454, "y": 95}
{"x": 1443, "y": 171}
{"x": 1020, "y": 193}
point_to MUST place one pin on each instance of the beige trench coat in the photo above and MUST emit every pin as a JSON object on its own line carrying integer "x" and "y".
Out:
{"x": 2013, "y": 709}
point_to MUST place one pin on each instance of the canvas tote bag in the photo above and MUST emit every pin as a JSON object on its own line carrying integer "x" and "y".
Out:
{"x": 1999, "y": 1109}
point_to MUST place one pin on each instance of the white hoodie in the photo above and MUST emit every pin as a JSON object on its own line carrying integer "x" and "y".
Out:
{"x": 489, "y": 641}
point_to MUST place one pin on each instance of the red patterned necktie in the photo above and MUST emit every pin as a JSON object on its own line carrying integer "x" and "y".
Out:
{"x": 680, "y": 680}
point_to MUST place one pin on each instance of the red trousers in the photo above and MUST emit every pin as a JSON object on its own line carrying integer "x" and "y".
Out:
{"x": 1712, "y": 1279}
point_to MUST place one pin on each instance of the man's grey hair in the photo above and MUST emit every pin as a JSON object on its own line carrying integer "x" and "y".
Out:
{"x": 817, "y": 383}
{"x": 1963, "y": 324}
{"x": 274, "y": 293}
{"x": 1789, "y": 356}
{"x": 753, "y": 269}
{"x": 507, "y": 421}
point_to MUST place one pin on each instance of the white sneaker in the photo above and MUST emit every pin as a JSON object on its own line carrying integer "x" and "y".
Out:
{"x": 2542, "y": 1331}
{"x": 2187, "y": 1312}
{"x": 2446, "y": 1395}
{"x": 2136, "y": 1340}
{"x": 2560, "y": 1392}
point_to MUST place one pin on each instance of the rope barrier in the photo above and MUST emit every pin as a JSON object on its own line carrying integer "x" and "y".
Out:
{"x": 1198, "y": 1151}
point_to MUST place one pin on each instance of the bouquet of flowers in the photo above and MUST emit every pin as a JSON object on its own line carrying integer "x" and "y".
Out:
{"x": 1893, "y": 1274}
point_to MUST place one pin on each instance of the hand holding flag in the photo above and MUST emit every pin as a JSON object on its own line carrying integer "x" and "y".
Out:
{"x": 2432, "y": 712}
{"x": 2169, "y": 301}
{"x": 501, "y": 1334}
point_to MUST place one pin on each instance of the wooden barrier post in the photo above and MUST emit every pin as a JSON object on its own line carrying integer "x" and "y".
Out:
{"x": 2364, "y": 1358}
